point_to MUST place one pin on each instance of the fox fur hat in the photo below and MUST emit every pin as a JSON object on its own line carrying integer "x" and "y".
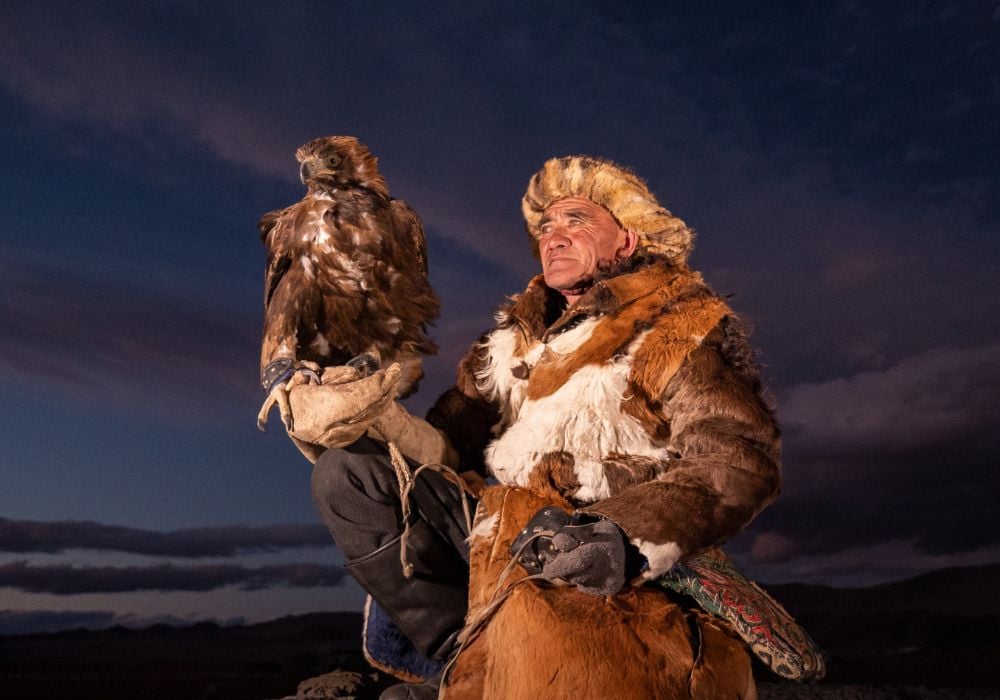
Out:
{"x": 617, "y": 189}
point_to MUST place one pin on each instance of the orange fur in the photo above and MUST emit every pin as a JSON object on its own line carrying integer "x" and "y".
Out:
{"x": 557, "y": 642}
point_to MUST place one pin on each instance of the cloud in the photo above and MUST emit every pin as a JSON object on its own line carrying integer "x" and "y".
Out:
{"x": 68, "y": 580}
{"x": 886, "y": 473}
{"x": 102, "y": 66}
{"x": 932, "y": 398}
{"x": 13, "y": 622}
{"x": 23, "y": 536}
{"x": 100, "y": 339}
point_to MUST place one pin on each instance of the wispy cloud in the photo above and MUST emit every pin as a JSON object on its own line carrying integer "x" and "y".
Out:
{"x": 887, "y": 473}
{"x": 117, "y": 340}
{"x": 106, "y": 67}
{"x": 24, "y": 536}
{"x": 68, "y": 580}
{"x": 928, "y": 399}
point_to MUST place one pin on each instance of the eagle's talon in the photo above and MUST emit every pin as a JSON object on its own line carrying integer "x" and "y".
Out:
{"x": 262, "y": 414}
{"x": 264, "y": 410}
{"x": 285, "y": 407}
{"x": 278, "y": 395}
{"x": 305, "y": 375}
{"x": 366, "y": 364}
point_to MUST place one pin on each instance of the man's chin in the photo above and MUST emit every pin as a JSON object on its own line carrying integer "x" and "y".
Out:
{"x": 569, "y": 285}
{"x": 559, "y": 283}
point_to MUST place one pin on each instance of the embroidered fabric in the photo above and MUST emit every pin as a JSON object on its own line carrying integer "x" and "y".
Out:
{"x": 772, "y": 634}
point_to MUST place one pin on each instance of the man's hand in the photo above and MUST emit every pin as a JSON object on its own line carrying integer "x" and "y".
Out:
{"x": 415, "y": 437}
{"x": 341, "y": 409}
{"x": 588, "y": 553}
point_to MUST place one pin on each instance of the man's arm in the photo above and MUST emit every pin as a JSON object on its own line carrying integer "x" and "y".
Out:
{"x": 725, "y": 468}
{"x": 465, "y": 416}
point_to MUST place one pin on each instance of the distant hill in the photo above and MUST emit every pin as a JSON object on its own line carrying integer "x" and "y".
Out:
{"x": 172, "y": 663}
{"x": 970, "y": 590}
{"x": 938, "y": 630}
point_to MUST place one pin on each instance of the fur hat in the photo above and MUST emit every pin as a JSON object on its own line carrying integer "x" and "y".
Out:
{"x": 618, "y": 190}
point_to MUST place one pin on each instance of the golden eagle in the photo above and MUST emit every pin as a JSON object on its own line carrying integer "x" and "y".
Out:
{"x": 346, "y": 279}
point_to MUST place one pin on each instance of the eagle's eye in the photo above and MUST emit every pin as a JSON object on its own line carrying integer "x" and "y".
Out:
{"x": 333, "y": 161}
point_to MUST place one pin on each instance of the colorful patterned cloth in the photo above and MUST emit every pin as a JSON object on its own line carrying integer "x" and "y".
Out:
{"x": 772, "y": 634}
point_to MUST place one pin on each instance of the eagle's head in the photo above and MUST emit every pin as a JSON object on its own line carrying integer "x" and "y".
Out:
{"x": 335, "y": 162}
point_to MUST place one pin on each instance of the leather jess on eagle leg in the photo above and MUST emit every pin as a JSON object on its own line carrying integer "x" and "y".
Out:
{"x": 557, "y": 642}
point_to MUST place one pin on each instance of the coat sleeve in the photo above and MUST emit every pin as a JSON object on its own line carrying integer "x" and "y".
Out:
{"x": 465, "y": 416}
{"x": 725, "y": 452}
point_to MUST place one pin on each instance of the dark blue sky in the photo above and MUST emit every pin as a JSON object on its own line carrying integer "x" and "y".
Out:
{"x": 838, "y": 161}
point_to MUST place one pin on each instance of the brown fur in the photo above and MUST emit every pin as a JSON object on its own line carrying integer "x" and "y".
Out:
{"x": 554, "y": 474}
{"x": 711, "y": 400}
{"x": 557, "y": 642}
{"x": 662, "y": 353}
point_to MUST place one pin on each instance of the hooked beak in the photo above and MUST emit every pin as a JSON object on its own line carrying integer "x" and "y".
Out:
{"x": 306, "y": 171}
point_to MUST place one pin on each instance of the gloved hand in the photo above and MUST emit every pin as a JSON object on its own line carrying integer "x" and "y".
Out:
{"x": 415, "y": 437}
{"x": 341, "y": 409}
{"x": 583, "y": 550}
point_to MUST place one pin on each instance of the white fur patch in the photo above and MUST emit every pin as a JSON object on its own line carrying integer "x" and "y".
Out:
{"x": 485, "y": 528}
{"x": 497, "y": 381}
{"x": 568, "y": 341}
{"x": 583, "y": 417}
{"x": 494, "y": 379}
{"x": 661, "y": 557}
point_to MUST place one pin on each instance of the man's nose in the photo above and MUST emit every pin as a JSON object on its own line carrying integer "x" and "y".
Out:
{"x": 557, "y": 239}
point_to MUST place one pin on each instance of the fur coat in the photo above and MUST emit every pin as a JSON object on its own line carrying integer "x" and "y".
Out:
{"x": 640, "y": 403}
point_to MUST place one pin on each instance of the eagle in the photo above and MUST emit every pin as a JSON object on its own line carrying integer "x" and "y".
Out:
{"x": 346, "y": 279}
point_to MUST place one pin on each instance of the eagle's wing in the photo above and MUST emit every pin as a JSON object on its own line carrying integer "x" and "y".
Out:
{"x": 281, "y": 284}
{"x": 409, "y": 226}
{"x": 274, "y": 236}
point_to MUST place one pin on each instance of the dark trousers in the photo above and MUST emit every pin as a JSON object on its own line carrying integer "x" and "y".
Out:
{"x": 357, "y": 495}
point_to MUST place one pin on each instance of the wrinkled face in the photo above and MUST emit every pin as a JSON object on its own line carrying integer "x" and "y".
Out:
{"x": 576, "y": 239}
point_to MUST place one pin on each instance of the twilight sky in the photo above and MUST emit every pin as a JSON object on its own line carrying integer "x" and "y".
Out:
{"x": 838, "y": 160}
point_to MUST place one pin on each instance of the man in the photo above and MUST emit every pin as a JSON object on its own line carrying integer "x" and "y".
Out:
{"x": 618, "y": 379}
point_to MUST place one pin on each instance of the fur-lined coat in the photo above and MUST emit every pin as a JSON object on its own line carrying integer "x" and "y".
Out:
{"x": 640, "y": 403}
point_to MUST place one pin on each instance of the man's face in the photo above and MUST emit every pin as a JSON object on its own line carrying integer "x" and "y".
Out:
{"x": 577, "y": 238}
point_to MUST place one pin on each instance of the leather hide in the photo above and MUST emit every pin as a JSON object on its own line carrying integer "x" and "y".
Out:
{"x": 547, "y": 641}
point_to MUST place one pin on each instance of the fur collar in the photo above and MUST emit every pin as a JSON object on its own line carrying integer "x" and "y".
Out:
{"x": 541, "y": 311}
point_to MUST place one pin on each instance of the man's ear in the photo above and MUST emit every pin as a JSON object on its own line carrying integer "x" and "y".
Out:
{"x": 629, "y": 244}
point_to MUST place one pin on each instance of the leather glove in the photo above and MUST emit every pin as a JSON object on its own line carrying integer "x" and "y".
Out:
{"x": 415, "y": 437}
{"x": 586, "y": 552}
{"x": 341, "y": 409}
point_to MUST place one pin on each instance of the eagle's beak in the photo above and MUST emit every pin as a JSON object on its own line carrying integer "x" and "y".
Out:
{"x": 306, "y": 171}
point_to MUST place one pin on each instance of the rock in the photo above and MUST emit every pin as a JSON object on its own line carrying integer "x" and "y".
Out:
{"x": 338, "y": 685}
